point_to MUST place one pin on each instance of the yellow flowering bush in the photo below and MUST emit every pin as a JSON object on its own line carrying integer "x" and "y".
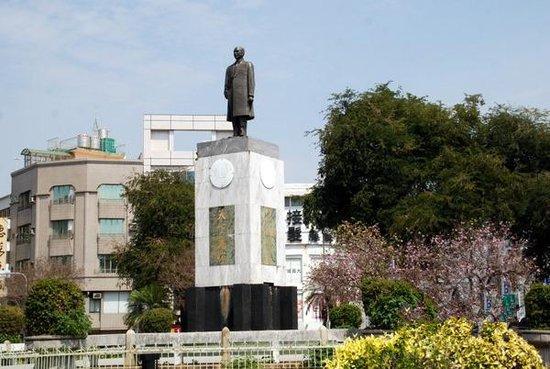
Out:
{"x": 447, "y": 345}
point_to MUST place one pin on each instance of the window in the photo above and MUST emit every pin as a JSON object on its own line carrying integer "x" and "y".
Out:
{"x": 62, "y": 229}
{"x": 94, "y": 306}
{"x": 110, "y": 192}
{"x": 115, "y": 302}
{"x": 62, "y": 194}
{"x": 24, "y": 234}
{"x": 24, "y": 200}
{"x": 294, "y": 269}
{"x": 62, "y": 260}
{"x": 111, "y": 226}
{"x": 107, "y": 263}
{"x": 294, "y": 201}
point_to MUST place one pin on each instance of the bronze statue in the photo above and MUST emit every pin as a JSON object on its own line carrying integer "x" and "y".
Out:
{"x": 239, "y": 92}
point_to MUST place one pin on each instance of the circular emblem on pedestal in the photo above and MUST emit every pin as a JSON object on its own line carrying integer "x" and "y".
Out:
{"x": 267, "y": 174}
{"x": 221, "y": 173}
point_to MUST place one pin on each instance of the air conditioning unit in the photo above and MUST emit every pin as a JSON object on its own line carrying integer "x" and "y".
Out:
{"x": 97, "y": 295}
{"x": 32, "y": 200}
{"x": 33, "y": 232}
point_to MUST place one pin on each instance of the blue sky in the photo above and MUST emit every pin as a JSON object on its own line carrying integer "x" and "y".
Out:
{"x": 63, "y": 63}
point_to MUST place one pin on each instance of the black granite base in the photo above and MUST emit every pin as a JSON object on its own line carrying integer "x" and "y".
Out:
{"x": 251, "y": 307}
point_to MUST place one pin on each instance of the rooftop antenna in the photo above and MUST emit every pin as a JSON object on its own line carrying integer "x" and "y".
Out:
{"x": 96, "y": 125}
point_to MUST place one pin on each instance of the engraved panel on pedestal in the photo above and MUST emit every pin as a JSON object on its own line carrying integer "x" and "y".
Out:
{"x": 269, "y": 236}
{"x": 222, "y": 235}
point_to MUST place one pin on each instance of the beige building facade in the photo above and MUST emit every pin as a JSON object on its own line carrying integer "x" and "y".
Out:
{"x": 73, "y": 211}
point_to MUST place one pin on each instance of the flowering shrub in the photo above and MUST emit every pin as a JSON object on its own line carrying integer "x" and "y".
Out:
{"x": 447, "y": 345}
{"x": 460, "y": 271}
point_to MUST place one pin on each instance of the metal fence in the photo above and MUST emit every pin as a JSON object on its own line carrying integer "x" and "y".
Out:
{"x": 223, "y": 354}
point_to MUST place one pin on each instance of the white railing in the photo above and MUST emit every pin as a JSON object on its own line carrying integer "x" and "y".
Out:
{"x": 236, "y": 350}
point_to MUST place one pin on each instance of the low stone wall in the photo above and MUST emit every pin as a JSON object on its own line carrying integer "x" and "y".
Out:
{"x": 541, "y": 340}
{"x": 49, "y": 342}
{"x": 322, "y": 335}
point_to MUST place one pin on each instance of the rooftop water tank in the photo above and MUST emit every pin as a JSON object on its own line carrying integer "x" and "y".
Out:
{"x": 103, "y": 133}
{"x": 83, "y": 140}
{"x": 95, "y": 143}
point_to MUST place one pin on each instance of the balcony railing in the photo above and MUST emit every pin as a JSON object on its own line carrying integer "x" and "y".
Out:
{"x": 62, "y": 236}
{"x": 23, "y": 238}
{"x": 63, "y": 200}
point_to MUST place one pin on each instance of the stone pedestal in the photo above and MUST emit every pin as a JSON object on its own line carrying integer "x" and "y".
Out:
{"x": 239, "y": 238}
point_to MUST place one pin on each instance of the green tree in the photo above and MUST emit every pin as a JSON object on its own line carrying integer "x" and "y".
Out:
{"x": 161, "y": 246}
{"x": 56, "y": 306}
{"x": 141, "y": 301}
{"x": 412, "y": 166}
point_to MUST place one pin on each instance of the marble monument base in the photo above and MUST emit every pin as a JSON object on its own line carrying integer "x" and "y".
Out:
{"x": 247, "y": 307}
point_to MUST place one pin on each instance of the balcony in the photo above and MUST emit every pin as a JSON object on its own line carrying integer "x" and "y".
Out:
{"x": 112, "y": 209}
{"x": 61, "y": 210}
{"x": 23, "y": 251}
{"x": 24, "y": 215}
{"x": 61, "y": 245}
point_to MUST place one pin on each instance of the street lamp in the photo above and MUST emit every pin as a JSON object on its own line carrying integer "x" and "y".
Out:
{"x": 7, "y": 273}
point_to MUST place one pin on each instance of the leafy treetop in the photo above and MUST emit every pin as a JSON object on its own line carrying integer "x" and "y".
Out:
{"x": 415, "y": 167}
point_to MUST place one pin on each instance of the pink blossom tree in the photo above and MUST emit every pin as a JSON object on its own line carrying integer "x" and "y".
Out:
{"x": 459, "y": 271}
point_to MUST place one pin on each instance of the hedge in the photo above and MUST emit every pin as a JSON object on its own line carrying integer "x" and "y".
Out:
{"x": 12, "y": 323}
{"x": 537, "y": 306}
{"x": 391, "y": 303}
{"x": 447, "y": 345}
{"x": 345, "y": 316}
{"x": 156, "y": 320}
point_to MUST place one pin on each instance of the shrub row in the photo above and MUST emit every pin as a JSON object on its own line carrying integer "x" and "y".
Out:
{"x": 12, "y": 323}
{"x": 447, "y": 345}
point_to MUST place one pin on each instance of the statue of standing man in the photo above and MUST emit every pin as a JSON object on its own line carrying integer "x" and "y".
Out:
{"x": 239, "y": 92}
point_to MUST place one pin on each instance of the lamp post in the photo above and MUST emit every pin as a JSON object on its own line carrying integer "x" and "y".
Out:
{"x": 7, "y": 273}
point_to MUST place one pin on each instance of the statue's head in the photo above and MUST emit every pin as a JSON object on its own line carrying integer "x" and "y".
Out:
{"x": 238, "y": 52}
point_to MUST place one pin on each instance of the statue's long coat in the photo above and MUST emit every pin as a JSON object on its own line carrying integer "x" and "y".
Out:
{"x": 239, "y": 86}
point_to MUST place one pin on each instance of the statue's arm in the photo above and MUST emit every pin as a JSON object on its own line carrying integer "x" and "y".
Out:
{"x": 227, "y": 86}
{"x": 251, "y": 82}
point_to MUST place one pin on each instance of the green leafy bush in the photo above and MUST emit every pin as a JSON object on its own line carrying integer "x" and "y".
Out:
{"x": 156, "y": 320}
{"x": 246, "y": 362}
{"x": 537, "y": 305}
{"x": 345, "y": 316}
{"x": 56, "y": 306}
{"x": 390, "y": 303}
{"x": 439, "y": 346}
{"x": 318, "y": 357}
{"x": 12, "y": 323}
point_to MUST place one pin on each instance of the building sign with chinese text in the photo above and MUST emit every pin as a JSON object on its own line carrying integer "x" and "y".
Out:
{"x": 269, "y": 236}
{"x": 3, "y": 242}
{"x": 222, "y": 235}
